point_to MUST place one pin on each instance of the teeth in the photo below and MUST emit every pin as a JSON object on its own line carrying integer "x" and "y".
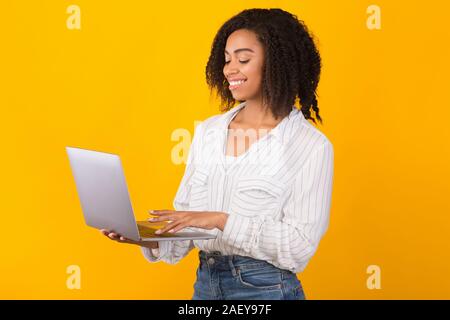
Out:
{"x": 233, "y": 83}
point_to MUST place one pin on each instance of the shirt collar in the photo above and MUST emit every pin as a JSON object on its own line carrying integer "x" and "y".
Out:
{"x": 278, "y": 132}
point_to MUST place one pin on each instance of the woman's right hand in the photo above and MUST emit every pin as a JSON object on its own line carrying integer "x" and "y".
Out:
{"x": 117, "y": 237}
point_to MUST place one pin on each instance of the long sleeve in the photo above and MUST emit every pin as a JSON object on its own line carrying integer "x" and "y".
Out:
{"x": 292, "y": 241}
{"x": 173, "y": 251}
{"x": 155, "y": 255}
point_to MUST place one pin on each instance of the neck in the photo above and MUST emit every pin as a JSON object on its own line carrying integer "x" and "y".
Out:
{"x": 255, "y": 114}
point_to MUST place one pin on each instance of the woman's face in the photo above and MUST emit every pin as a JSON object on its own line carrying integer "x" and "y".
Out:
{"x": 244, "y": 60}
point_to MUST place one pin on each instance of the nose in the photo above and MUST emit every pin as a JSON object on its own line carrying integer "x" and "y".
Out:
{"x": 229, "y": 72}
{"x": 230, "y": 69}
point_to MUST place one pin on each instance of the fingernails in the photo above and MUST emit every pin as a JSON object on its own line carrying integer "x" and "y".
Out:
{"x": 151, "y": 219}
{"x": 172, "y": 231}
{"x": 158, "y": 231}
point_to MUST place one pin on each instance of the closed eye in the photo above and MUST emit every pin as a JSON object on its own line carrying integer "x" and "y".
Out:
{"x": 226, "y": 62}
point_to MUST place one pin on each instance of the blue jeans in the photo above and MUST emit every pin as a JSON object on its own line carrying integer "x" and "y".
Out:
{"x": 233, "y": 277}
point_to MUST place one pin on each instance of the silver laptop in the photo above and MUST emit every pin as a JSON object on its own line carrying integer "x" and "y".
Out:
{"x": 105, "y": 202}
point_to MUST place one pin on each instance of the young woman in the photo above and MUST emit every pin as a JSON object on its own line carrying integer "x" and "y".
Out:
{"x": 268, "y": 201}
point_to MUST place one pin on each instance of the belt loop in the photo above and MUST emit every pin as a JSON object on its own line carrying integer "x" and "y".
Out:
{"x": 232, "y": 267}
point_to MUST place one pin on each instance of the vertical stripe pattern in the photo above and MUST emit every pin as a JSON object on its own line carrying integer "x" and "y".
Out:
{"x": 277, "y": 194}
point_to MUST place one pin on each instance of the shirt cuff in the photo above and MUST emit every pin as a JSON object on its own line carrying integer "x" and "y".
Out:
{"x": 154, "y": 255}
{"x": 239, "y": 232}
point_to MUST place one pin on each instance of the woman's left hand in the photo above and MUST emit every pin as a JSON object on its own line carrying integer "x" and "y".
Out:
{"x": 182, "y": 219}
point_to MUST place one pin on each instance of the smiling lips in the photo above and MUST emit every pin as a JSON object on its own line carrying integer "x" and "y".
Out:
{"x": 235, "y": 84}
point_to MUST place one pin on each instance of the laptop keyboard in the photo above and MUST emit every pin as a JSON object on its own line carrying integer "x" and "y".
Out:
{"x": 147, "y": 229}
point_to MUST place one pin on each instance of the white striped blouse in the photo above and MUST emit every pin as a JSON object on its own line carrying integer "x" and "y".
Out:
{"x": 277, "y": 193}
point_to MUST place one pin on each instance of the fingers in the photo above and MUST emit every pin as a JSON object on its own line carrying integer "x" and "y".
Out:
{"x": 178, "y": 228}
{"x": 117, "y": 237}
{"x": 162, "y": 212}
{"x": 166, "y": 215}
{"x": 166, "y": 228}
{"x": 126, "y": 240}
{"x": 170, "y": 227}
{"x": 113, "y": 236}
{"x": 108, "y": 234}
{"x": 162, "y": 218}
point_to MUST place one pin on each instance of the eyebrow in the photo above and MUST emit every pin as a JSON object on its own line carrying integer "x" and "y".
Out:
{"x": 241, "y": 49}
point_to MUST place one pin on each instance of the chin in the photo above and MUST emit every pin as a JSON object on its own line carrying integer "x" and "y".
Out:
{"x": 239, "y": 97}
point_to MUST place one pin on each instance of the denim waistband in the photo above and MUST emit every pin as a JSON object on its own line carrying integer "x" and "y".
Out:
{"x": 221, "y": 261}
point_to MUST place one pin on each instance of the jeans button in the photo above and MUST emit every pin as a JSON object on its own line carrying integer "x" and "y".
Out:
{"x": 211, "y": 260}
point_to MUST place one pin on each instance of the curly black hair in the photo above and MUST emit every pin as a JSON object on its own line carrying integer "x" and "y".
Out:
{"x": 291, "y": 67}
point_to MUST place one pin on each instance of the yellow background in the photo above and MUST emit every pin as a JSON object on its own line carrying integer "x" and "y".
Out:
{"x": 135, "y": 72}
